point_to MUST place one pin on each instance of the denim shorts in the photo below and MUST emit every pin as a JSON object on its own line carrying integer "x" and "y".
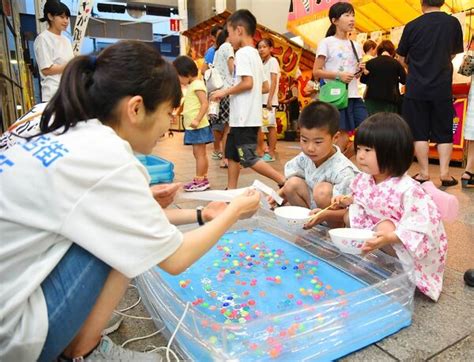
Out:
{"x": 198, "y": 136}
{"x": 352, "y": 116}
{"x": 71, "y": 291}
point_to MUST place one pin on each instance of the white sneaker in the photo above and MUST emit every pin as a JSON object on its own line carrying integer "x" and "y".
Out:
{"x": 109, "y": 351}
{"x": 114, "y": 324}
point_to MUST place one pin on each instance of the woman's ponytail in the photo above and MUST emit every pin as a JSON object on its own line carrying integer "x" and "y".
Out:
{"x": 71, "y": 102}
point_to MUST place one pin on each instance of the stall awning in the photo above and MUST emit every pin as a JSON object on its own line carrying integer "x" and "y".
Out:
{"x": 310, "y": 19}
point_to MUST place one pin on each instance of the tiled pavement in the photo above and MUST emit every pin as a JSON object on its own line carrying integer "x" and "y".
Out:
{"x": 442, "y": 331}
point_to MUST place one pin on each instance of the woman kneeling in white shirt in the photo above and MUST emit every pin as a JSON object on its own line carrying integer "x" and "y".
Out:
{"x": 78, "y": 218}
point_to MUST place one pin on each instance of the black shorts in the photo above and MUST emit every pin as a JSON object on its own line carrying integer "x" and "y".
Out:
{"x": 430, "y": 120}
{"x": 241, "y": 145}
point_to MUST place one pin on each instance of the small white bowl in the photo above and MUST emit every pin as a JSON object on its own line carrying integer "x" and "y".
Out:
{"x": 350, "y": 240}
{"x": 292, "y": 217}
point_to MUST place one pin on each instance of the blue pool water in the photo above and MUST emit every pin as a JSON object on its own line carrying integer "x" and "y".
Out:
{"x": 285, "y": 303}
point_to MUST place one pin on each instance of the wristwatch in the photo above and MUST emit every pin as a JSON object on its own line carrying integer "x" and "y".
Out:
{"x": 199, "y": 218}
{"x": 337, "y": 76}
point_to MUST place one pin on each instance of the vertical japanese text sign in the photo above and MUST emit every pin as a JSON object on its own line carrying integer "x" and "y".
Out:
{"x": 83, "y": 14}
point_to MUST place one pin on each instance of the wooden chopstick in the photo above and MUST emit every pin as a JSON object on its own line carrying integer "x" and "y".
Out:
{"x": 312, "y": 217}
{"x": 321, "y": 211}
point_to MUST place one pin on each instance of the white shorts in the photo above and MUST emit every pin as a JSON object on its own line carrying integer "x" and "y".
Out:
{"x": 270, "y": 121}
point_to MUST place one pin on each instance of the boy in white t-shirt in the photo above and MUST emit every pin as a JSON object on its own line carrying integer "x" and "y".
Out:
{"x": 245, "y": 104}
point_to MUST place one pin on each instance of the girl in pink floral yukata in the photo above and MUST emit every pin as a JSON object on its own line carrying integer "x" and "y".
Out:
{"x": 405, "y": 219}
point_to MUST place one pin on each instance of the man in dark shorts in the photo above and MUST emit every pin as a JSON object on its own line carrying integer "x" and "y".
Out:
{"x": 429, "y": 43}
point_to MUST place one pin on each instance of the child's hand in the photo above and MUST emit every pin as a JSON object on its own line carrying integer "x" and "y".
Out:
{"x": 217, "y": 95}
{"x": 246, "y": 204}
{"x": 269, "y": 104}
{"x": 382, "y": 238}
{"x": 212, "y": 210}
{"x": 341, "y": 201}
{"x": 314, "y": 220}
{"x": 346, "y": 77}
{"x": 273, "y": 203}
{"x": 164, "y": 194}
{"x": 363, "y": 68}
{"x": 195, "y": 124}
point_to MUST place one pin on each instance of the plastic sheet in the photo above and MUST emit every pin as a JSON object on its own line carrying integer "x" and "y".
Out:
{"x": 300, "y": 299}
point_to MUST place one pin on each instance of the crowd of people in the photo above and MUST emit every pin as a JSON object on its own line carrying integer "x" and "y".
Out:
{"x": 80, "y": 219}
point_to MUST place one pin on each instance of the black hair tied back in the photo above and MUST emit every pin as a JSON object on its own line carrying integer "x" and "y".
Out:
{"x": 92, "y": 61}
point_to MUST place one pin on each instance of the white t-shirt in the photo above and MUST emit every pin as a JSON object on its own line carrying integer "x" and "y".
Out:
{"x": 341, "y": 58}
{"x": 270, "y": 67}
{"x": 246, "y": 107}
{"x": 51, "y": 49}
{"x": 86, "y": 187}
{"x": 221, "y": 57}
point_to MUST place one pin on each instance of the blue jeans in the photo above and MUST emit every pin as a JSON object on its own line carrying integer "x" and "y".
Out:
{"x": 71, "y": 291}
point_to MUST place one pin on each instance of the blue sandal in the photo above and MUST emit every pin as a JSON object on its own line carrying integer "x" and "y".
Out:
{"x": 468, "y": 182}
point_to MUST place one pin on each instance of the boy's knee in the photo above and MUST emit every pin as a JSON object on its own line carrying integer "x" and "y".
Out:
{"x": 293, "y": 184}
{"x": 322, "y": 194}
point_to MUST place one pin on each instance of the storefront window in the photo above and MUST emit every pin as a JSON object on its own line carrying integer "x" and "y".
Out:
{"x": 7, "y": 10}
{"x": 8, "y": 112}
{"x": 12, "y": 103}
{"x": 13, "y": 55}
{"x": 4, "y": 67}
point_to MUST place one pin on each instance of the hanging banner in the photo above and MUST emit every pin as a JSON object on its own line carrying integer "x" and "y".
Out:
{"x": 83, "y": 15}
{"x": 361, "y": 38}
{"x": 302, "y": 8}
{"x": 376, "y": 36}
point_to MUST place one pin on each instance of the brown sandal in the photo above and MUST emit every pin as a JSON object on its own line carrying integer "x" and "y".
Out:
{"x": 447, "y": 183}
{"x": 415, "y": 177}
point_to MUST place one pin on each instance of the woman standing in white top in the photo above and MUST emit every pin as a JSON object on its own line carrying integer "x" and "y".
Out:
{"x": 53, "y": 50}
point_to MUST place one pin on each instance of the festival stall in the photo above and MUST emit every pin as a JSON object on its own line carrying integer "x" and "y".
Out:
{"x": 296, "y": 63}
{"x": 380, "y": 19}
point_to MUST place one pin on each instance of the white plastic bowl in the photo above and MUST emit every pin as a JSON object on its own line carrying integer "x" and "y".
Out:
{"x": 350, "y": 240}
{"x": 292, "y": 217}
